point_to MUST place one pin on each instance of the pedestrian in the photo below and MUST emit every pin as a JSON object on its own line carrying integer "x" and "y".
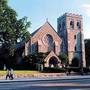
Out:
{"x": 11, "y": 74}
{"x": 68, "y": 70}
{"x": 81, "y": 71}
{"x": 8, "y": 74}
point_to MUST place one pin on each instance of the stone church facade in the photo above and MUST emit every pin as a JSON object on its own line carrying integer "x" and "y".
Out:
{"x": 68, "y": 39}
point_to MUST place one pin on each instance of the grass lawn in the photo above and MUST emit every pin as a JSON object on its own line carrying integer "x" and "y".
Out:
{"x": 3, "y": 72}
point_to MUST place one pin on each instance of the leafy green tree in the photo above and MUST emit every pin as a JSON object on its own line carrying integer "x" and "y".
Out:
{"x": 64, "y": 59}
{"x": 11, "y": 29}
{"x": 38, "y": 57}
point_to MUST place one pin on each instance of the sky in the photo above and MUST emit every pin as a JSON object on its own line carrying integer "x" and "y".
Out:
{"x": 38, "y": 11}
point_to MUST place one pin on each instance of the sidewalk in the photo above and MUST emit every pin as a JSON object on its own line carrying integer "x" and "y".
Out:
{"x": 35, "y": 75}
{"x": 49, "y": 78}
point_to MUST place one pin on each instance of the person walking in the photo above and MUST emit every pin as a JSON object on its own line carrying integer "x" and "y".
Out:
{"x": 9, "y": 74}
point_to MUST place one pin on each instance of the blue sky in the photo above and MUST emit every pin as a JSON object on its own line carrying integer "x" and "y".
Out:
{"x": 38, "y": 11}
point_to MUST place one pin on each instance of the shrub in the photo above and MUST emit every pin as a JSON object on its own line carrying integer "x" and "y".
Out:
{"x": 54, "y": 70}
{"x": 74, "y": 69}
{"x": 86, "y": 70}
{"x": 75, "y": 62}
{"x": 64, "y": 59}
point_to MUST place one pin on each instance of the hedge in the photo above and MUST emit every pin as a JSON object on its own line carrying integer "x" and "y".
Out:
{"x": 54, "y": 70}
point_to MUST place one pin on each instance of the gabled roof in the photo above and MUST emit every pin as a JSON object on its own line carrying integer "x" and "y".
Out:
{"x": 51, "y": 54}
{"x": 52, "y": 27}
{"x": 35, "y": 31}
{"x": 42, "y": 26}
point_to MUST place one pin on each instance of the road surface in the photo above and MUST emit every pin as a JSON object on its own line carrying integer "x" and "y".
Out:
{"x": 48, "y": 84}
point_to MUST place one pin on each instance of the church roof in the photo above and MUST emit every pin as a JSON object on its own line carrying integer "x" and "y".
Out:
{"x": 35, "y": 31}
{"x": 41, "y": 27}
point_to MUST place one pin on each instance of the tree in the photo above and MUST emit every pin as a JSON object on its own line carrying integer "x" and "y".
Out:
{"x": 64, "y": 59}
{"x": 37, "y": 57}
{"x": 87, "y": 52}
{"x": 75, "y": 62}
{"x": 11, "y": 29}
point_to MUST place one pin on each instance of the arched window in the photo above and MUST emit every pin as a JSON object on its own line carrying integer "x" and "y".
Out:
{"x": 72, "y": 24}
{"x": 49, "y": 39}
{"x": 75, "y": 48}
{"x": 74, "y": 36}
{"x": 79, "y": 25}
{"x": 36, "y": 47}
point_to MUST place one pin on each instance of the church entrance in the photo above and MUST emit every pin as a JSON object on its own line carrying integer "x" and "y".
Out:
{"x": 53, "y": 62}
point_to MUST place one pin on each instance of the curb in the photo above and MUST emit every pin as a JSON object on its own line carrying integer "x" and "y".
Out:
{"x": 46, "y": 79}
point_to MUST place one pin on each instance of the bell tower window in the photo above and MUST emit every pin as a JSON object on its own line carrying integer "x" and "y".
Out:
{"x": 72, "y": 24}
{"x": 74, "y": 36}
{"x": 75, "y": 48}
{"x": 79, "y": 25}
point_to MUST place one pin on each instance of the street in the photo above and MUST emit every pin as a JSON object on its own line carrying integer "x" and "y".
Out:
{"x": 48, "y": 84}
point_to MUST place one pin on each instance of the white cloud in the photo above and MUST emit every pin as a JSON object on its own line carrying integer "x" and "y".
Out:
{"x": 86, "y": 9}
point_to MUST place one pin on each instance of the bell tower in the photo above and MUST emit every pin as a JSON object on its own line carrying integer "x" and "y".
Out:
{"x": 70, "y": 29}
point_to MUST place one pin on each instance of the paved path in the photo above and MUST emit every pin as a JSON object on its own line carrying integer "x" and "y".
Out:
{"x": 49, "y": 78}
{"x": 63, "y": 83}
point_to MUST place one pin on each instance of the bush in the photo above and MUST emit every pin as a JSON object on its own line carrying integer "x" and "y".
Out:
{"x": 75, "y": 62}
{"x": 86, "y": 70}
{"x": 64, "y": 59}
{"x": 78, "y": 69}
{"x": 54, "y": 70}
{"x": 74, "y": 69}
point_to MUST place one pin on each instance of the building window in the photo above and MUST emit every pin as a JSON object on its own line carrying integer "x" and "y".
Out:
{"x": 36, "y": 47}
{"x": 72, "y": 24}
{"x": 75, "y": 48}
{"x": 79, "y": 25}
{"x": 74, "y": 36}
{"x": 49, "y": 39}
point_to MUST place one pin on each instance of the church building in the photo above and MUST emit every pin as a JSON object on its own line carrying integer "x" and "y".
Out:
{"x": 68, "y": 39}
